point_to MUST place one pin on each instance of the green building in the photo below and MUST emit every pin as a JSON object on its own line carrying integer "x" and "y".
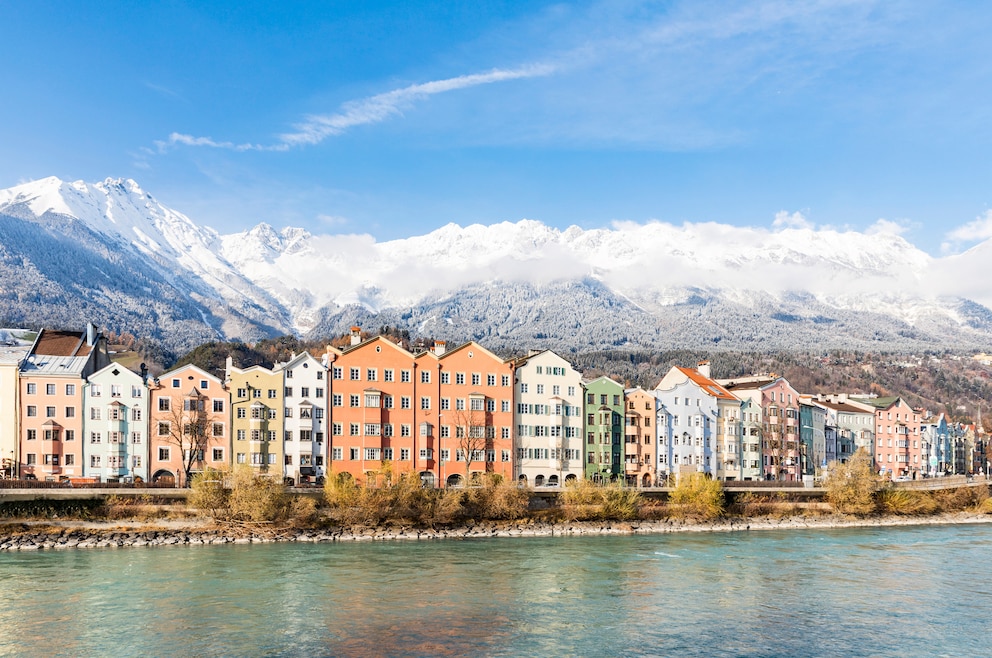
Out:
{"x": 604, "y": 409}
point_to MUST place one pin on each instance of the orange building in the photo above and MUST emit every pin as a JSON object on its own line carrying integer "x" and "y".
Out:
{"x": 383, "y": 408}
{"x": 475, "y": 411}
{"x": 51, "y": 401}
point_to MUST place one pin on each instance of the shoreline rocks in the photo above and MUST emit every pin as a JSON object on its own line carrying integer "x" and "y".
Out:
{"x": 36, "y": 536}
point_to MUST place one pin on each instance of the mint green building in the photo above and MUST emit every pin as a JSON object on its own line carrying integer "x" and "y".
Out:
{"x": 604, "y": 407}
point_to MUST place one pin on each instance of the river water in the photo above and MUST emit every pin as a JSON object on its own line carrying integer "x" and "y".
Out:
{"x": 903, "y": 591}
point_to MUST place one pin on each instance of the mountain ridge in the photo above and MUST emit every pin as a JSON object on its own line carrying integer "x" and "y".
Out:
{"x": 513, "y": 283}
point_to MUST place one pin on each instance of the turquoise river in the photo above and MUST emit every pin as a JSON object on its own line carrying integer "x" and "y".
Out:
{"x": 899, "y": 591}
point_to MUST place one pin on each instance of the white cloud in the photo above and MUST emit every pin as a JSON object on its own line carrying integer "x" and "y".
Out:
{"x": 974, "y": 231}
{"x": 380, "y": 107}
{"x": 190, "y": 140}
{"x": 374, "y": 109}
{"x": 795, "y": 220}
{"x": 332, "y": 220}
{"x": 886, "y": 227}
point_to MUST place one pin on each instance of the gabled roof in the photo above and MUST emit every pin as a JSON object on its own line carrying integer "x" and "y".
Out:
{"x": 475, "y": 346}
{"x": 376, "y": 339}
{"x": 707, "y": 385}
{"x": 879, "y": 403}
{"x": 61, "y": 343}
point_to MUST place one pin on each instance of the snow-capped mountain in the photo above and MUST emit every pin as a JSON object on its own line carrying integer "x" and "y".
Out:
{"x": 515, "y": 285}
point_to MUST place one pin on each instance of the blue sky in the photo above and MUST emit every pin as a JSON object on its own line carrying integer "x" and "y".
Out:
{"x": 396, "y": 118}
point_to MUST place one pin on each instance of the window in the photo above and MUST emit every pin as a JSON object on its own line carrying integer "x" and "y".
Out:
{"x": 305, "y": 391}
{"x": 288, "y": 412}
{"x": 70, "y": 389}
{"x": 95, "y": 461}
{"x": 404, "y": 402}
{"x": 306, "y": 412}
{"x": 164, "y": 404}
{"x": 136, "y": 438}
{"x": 163, "y": 454}
{"x": 372, "y": 400}
{"x": 336, "y": 429}
{"x": 337, "y": 454}
{"x": 355, "y": 374}
{"x": 425, "y": 376}
{"x": 95, "y": 413}
{"x": 387, "y": 375}
{"x": 353, "y": 400}
{"x": 337, "y": 372}
{"x": 353, "y": 452}
{"x": 353, "y": 429}
{"x": 371, "y": 374}
{"x": 427, "y": 453}
{"x": 32, "y": 410}
{"x": 49, "y": 412}
{"x": 273, "y": 393}
{"x": 288, "y": 460}
{"x": 32, "y": 435}
{"x": 404, "y": 430}
{"x": 319, "y": 393}
{"x": 405, "y": 376}
{"x": 32, "y": 389}
{"x": 445, "y": 377}
{"x": 504, "y": 380}
{"x": 425, "y": 402}
{"x": 460, "y": 404}
{"x": 404, "y": 454}
{"x": 288, "y": 392}
{"x": 49, "y": 389}
{"x": 490, "y": 380}
{"x": 115, "y": 390}
{"x": 523, "y": 388}
{"x": 337, "y": 400}
{"x": 70, "y": 435}
{"x": 163, "y": 428}
{"x": 32, "y": 459}
{"x": 445, "y": 404}
{"x": 306, "y": 435}
{"x": 289, "y": 374}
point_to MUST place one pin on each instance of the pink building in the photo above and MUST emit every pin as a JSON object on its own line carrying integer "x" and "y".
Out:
{"x": 898, "y": 437}
{"x": 51, "y": 401}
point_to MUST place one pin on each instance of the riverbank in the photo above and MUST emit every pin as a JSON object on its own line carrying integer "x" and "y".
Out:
{"x": 45, "y": 535}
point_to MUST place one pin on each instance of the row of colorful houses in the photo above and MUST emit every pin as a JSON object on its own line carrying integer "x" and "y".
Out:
{"x": 67, "y": 411}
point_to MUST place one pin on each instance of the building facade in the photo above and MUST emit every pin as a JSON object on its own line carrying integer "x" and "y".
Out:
{"x": 190, "y": 425}
{"x": 548, "y": 420}
{"x": 115, "y": 426}
{"x": 604, "y": 416}
{"x": 305, "y": 418}
{"x": 640, "y": 453}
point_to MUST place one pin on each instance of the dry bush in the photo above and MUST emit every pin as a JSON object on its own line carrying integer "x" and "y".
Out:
{"x": 584, "y": 500}
{"x": 752, "y": 504}
{"x": 851, "y": 487}
{"x": 696, "y": 496}
{"x": 207, "y": 493}
{"x": 495, "y": 499}
{"x": 257, "y": 499}
{"x": 903, "y": 502}
{"x": 303, "y": 512}
{"x": 962, "y": 499}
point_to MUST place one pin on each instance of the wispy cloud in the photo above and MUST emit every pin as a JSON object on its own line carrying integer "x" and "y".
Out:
{"x": 374, "y": 109}
{"x": 380, "y": 107}
{"x": 189, "y": 140}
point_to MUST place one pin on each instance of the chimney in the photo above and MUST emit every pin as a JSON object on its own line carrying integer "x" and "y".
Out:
{"x": 356, "y": 335}
{"x": 144, "y": 373}
{"x": 328, "y": 358}
{"x": 228, "y": 366}
{"x": 91, "y": 334}
{"x": 703, "y": 367}
{"x": 439, "y": 347}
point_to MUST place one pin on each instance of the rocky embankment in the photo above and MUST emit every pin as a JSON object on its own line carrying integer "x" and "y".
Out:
{"x": 33, "y": 536}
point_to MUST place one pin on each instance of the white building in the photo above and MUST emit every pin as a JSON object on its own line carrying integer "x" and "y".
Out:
{"x": 115, "y": 425}
{"x": 699, "y": 425}
{"x": 548, "y": 420}
{"x": 304, "y": 424}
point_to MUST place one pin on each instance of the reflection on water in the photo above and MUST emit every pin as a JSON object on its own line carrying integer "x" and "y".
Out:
{"x": 855, "y": 592}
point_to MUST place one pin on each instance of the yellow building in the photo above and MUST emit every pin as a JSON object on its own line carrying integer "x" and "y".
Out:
{"x": 257, "y": 408}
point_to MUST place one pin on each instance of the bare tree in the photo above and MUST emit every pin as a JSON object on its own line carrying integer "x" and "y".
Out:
{"x": 471, "y": 440}
{"x": 187, "y": 430}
